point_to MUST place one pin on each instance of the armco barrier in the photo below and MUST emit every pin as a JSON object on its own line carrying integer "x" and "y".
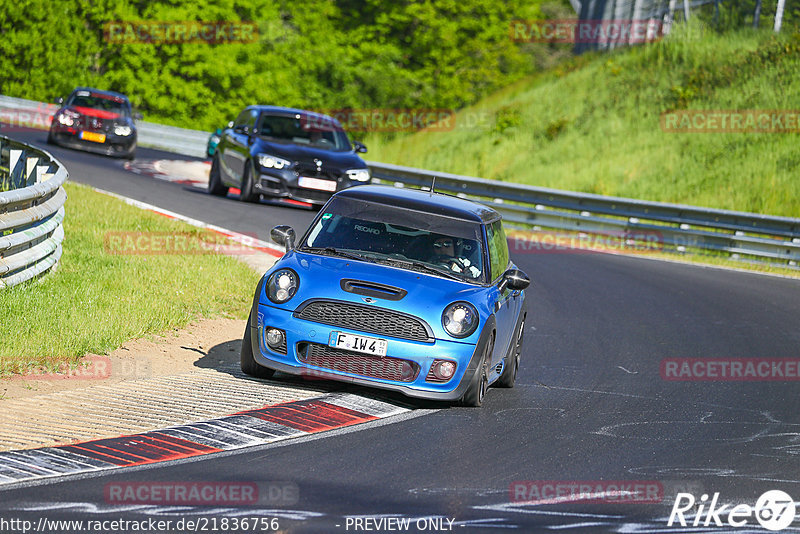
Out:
{"x": 680, "y": 228}
{"x": 31, "y": 211}
{"x": 683, "y": 229}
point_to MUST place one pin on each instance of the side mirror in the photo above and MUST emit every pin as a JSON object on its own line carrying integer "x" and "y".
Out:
{"x": 359, "y": 146}
{"x": 59, "y": 101}
{"x": 283, "y": 235}
{"x": 137, "y": 115}
{"x": 230, "y": 124}
{"x": 515, "y": 280}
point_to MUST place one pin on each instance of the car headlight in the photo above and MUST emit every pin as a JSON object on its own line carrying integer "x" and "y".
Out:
{"x": 272, "y": 162}
{"x": 67, "y": 118}
{"x": 214, "y": 139}
{"x": 282, "y": 285}
{"x": 122, "y": 129}
{"x": 359, "y": 175}
{"x": 460, "y": 319}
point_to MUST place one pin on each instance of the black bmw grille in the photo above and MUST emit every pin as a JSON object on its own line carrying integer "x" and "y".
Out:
{"x": 358, "y": 364}
{"x": 324, "y": 172}
{"x": 364, "y": 319}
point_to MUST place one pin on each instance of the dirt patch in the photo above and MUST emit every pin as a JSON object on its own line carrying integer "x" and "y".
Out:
{"x": 205, "y": 343}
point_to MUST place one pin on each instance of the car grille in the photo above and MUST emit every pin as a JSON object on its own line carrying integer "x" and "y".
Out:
{"x": 95, "y": 124}
{"x": 325, "y": 173}
{"x": 364, "y": 319}
{"x": 358, "y": 364}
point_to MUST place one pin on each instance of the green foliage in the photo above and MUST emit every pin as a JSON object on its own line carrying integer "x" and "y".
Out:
{"x": 506, "y": 117}
{"x": 593, "y": 125}
{"x": 317, "y": 54}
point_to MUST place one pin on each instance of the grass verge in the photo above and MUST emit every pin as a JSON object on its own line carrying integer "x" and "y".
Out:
{"x": 593, "y": 125}
{"x": 98, "y": 299}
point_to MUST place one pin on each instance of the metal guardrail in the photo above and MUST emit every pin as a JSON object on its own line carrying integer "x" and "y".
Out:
{"x": 679, "y": 228}
{"x": 173, "y": 139}
{"x": 31, "y": 211}
{"x": 675, "y": 227}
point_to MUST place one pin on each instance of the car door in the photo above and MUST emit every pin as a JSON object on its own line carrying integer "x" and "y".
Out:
{"x": 236, "y": 151}
{"x": 506, "y": 302}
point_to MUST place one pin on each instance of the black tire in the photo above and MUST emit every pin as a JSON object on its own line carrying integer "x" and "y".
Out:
{"x": 480, "y": 381}
{"x": 215, "y": 185}
{"x": 50, "y": 139}
{"x": 247, "y": 194}
{"x": 248, "y": 363}
{"x": 509, "y": 376}
{"x": 131, "y": 154}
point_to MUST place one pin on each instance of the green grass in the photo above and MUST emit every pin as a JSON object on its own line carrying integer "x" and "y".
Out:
{"x": 97, "y": 300}
{"x": 593, "y": 125}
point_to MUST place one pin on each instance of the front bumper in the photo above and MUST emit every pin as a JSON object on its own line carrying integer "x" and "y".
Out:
{"x": 299, "y": 332}
{"x": 114, "y": 145}
{"x": 284, "y": 183}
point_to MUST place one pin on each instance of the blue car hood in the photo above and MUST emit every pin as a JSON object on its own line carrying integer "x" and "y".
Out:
{"x": 428, "y": 295}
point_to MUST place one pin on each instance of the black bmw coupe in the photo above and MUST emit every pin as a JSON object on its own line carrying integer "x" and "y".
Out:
{"x": 286, "y": 153}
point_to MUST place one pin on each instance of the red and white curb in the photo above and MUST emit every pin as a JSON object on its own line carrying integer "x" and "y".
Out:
{"x": 243, "y": 239}
{"x": 244, "y": 429}
{"x": 193, "y": 173}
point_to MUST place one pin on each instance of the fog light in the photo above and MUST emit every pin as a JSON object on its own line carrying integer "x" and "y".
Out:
{"x": 446, "y": 370}
{"x": 274, "y": 338}
{"x": 441, "y": 371}
{"x": 407, "y": 372}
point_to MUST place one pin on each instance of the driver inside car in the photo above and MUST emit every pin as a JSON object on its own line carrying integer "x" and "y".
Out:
{"x": 444, "y": 254}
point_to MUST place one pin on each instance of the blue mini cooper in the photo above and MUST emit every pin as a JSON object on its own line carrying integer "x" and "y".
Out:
{"x": 393, "y": 288}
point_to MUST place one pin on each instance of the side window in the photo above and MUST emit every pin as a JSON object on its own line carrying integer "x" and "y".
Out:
{"x": 498, "y": 249}
{"x": 251, "y": 120}
{"x": 241, "y": 120}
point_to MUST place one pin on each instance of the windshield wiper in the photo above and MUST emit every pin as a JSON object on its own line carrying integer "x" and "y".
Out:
{"x": 424, "y": 267}
{"x": 337, "y": 252}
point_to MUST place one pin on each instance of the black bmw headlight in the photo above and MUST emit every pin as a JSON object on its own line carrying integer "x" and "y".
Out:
{"x": 460, "y": 319}
{"x": 282, "y": 285}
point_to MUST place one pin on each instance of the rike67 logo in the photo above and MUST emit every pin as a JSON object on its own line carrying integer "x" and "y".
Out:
{"x": 774, "y": 510}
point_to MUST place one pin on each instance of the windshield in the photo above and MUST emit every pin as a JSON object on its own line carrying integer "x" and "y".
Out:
{"x": 84, "y": 99}
{"x": 456, "y": 257}
{"x": 304, "y": 130}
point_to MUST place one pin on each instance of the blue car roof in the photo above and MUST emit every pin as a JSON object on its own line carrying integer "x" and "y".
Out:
{"x": 422, "y": 201}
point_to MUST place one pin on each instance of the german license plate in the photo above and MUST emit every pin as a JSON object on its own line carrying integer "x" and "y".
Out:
{"x": 316, "y": 183}
{"x": 92, "y": 136}
{"x": 367, "y": 345}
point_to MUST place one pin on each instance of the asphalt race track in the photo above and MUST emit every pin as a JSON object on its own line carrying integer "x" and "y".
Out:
{"x": 590, "y": 405}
